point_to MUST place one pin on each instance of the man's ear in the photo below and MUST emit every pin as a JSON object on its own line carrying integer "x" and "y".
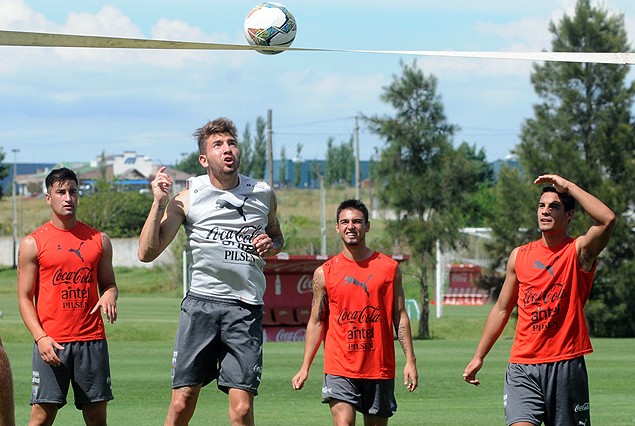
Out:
{"x": 570, "y": 215}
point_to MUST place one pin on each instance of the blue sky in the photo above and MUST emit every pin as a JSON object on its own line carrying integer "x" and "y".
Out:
{"x": 64, "y": 104}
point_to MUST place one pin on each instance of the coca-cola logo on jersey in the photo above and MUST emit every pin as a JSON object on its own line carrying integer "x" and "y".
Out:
{"x": 551, "y": 295}
{"x": 81, "y": 276}
{"x": 367, "y": 315}
{"x": 305, "y": 285}
{"x": 241, "y": 239}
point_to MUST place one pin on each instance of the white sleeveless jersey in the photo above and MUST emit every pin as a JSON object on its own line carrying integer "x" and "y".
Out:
{"x": 220, "y": 226}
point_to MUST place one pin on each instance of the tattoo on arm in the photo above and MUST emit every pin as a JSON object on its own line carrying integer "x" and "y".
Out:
{"x": 401, "y": 336}
{"x": 323, "y": 308}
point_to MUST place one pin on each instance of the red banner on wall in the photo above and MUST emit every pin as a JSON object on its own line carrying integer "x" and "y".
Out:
{"x": 289, "y": 291}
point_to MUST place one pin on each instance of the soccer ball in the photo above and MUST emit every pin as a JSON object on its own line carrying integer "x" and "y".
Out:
{"x": 270, "y": 24}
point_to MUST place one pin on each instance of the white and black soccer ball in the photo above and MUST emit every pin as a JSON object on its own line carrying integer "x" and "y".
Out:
{"x": 270, "y": 24}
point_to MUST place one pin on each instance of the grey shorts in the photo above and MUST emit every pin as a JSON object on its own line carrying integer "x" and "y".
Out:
{"x": 219, "y": 340}
{"x": 369, "y": 396}
{"x": 555, "y": 393}
{"x": 84, "y": 365}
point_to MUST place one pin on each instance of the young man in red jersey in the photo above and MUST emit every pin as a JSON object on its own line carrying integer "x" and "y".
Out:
{"x": 65, "y": 276}
{"x": 549, "y": 280}
{"x": 358, "y": 304}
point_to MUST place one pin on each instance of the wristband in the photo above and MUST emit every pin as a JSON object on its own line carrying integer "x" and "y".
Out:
{"x": 40, "y": 338}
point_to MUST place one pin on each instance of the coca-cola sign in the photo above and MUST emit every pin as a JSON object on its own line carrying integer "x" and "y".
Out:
{"x": 305, "y": 284}
{"x": 284, "y": 334}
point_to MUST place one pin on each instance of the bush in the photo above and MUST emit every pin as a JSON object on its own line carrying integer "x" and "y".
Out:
{"x": 119, "y": 214}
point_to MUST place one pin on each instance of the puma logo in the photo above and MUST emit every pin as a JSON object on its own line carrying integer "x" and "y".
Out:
{"x": 220, "y": 203}
{"x": 77, "y": 251}
{"x": 352, "y": 280}
{"x": 539, "y": 265}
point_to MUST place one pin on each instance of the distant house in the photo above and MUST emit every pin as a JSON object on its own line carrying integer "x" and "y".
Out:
{"x": 29, "y": 178}
{"x": 129, "y": 171}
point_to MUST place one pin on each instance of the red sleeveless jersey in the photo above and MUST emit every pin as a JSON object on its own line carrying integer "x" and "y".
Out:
{"x": 359, "y": 336}
{"x": 67, "y": 289}
{"x": 552, "y": 292}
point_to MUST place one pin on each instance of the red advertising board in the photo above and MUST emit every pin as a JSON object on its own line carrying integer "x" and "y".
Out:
{"x": 464, "y": 275}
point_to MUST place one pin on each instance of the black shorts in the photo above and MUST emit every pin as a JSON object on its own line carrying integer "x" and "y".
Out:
{"x": 219, "y": 340}
{"x": 555, "y": 393}
{"x": 84, "y": 365}
{"x": 373, "y": 397}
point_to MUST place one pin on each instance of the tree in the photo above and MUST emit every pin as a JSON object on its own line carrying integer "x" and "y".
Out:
{"x": 246, "y": 152}
{"x": 582, "y": 129}
{"x": 4, "y": 171}
{"x": 340, "y": 163}
{"x": 190, "y": 164}
{"x": 297, "y": 166}
{"x": 258, "y": 162}
{"x": 283, "y": 167}
{"x": 424, "y": 178}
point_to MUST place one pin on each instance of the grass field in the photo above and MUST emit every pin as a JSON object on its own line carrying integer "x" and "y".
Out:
{"x": 140, "y": 347}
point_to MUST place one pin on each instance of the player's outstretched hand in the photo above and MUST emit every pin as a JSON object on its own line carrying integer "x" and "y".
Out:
{"x": 108, "y": 304}
{"x": 161, "y": 185}
{"x": 410, "y": 377}
{"x": 469, "y": 374}
{"x": 298, "y": 380}
{"x": 559, "y": 183}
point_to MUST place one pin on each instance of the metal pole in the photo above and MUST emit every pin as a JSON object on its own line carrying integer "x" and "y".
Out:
{"x": 439, "y": 280}
{"x": 15, "y": 211}
{"x": 270, "y": 146}
{"x": 323, "y": 215}
{"x": 357, "y": 177}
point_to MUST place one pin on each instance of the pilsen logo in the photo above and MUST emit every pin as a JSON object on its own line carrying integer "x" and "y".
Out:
{"x": 81, "y": 276}
{"x": 367, "y": 315}
{"x": 551, "y": 295}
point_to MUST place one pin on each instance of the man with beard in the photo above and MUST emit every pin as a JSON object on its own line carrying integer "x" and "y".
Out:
{"x": 358, "y": 306}
{"x": 231, "y": 224}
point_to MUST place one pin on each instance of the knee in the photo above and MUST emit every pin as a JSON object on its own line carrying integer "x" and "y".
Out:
{"x": 241, "y": 412}
{"x": 183, "y": 399}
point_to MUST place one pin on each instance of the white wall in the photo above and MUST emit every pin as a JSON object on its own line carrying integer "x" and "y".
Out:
{"x": 124, "y": 253}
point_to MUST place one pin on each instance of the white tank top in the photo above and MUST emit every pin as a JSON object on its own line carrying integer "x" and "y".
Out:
{"x": 220, "y": 226}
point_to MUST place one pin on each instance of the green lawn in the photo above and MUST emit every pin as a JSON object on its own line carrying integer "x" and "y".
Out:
{"x": 141, "y": 341}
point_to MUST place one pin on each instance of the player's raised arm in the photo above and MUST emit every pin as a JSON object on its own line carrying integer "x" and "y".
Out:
{"x": 164, "y": 219}
{"x": 591, "y": 244}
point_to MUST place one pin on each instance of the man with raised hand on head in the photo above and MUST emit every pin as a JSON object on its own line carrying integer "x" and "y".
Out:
{"x": 358, "y": 304}
{"x": 231, "y": 224}
{"x": 549, "y": 280}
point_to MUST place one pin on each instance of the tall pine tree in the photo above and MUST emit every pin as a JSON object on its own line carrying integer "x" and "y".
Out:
{"x": 582, "y": 129}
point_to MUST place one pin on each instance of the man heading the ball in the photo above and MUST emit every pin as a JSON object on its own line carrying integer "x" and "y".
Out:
{"x": 549, "y": 280}
{"x": 231, "y": 224}
{"x": 358, "y": 305}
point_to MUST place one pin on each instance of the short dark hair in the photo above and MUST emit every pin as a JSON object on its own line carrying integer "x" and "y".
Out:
{"x": 352, "y": 204}
{"x": 60, "y": 175}
{"x": 565, "y": 198}
{"x": 220, "y": 125}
